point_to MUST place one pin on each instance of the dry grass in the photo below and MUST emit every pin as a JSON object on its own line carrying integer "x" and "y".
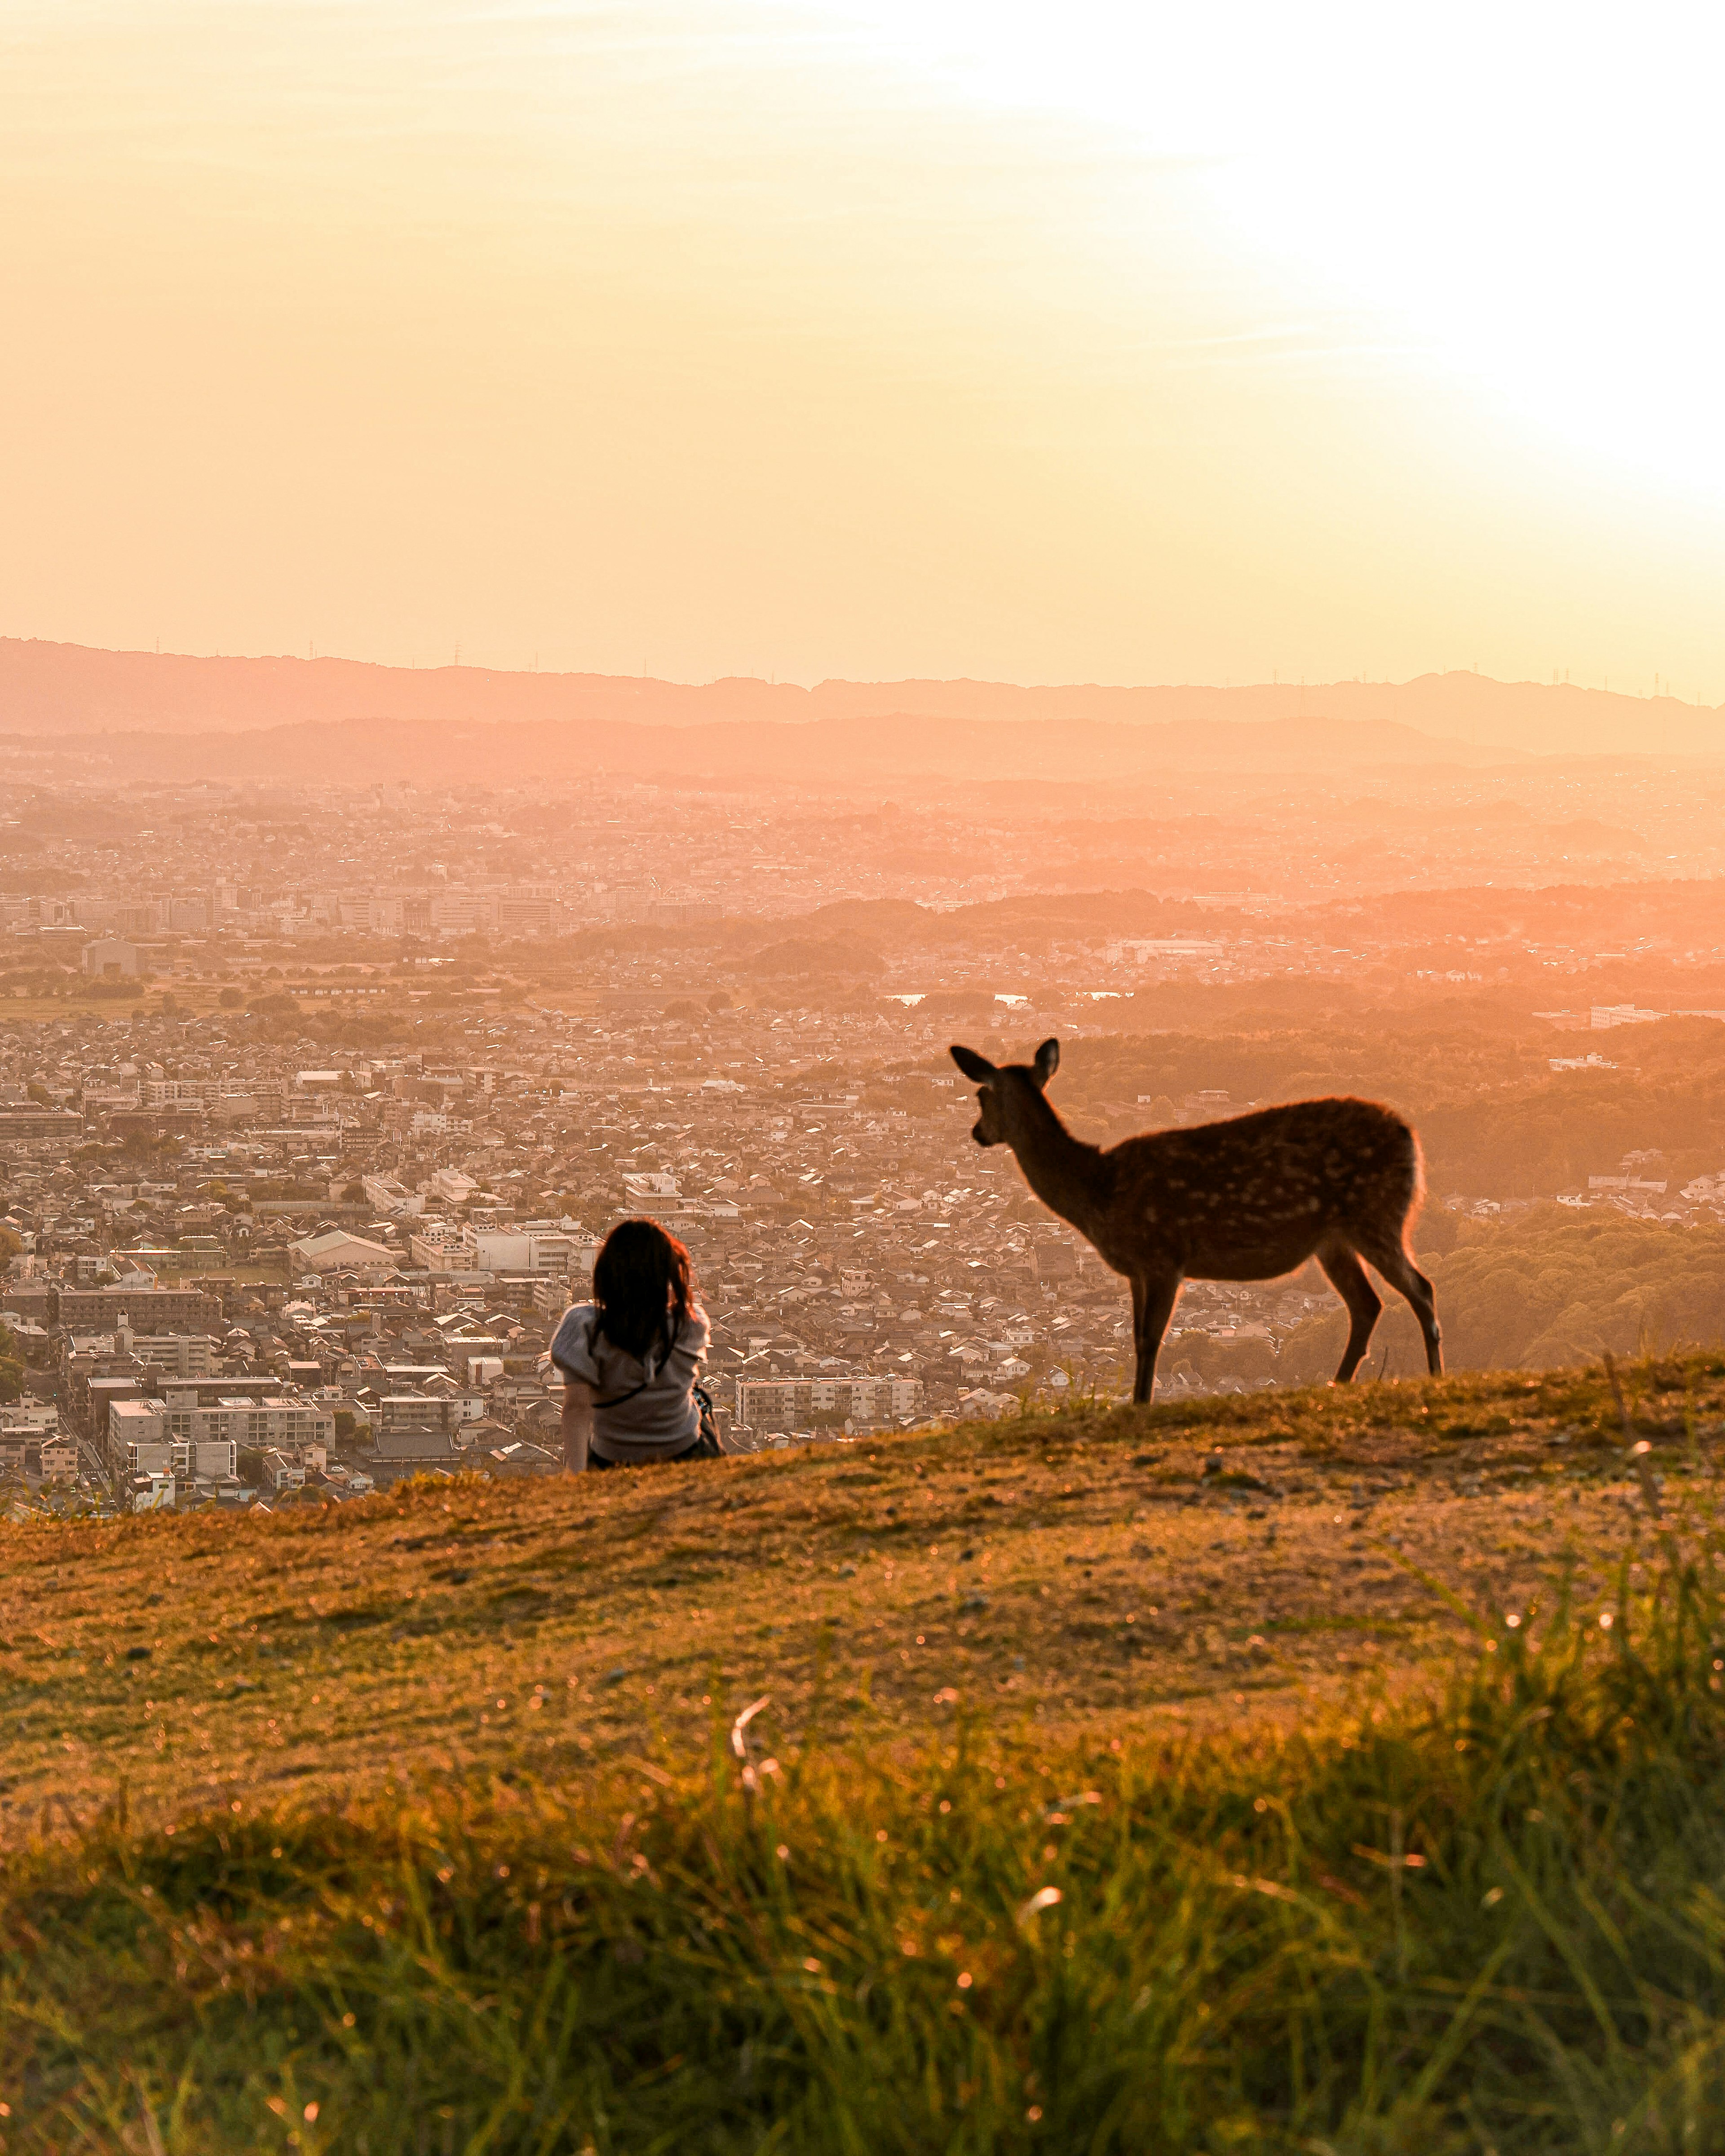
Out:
{"x": 425, "y": 1836}
{"x": 1068, "y": 1577}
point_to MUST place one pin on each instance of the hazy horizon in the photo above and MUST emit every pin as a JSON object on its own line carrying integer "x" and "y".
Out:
{"x": 460, "y": 662}
{"x": 814, "y": 340}
{"x": 73, "y": 695}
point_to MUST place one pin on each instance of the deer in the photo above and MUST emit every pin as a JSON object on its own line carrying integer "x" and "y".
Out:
{"x": 1247, "y": 1198}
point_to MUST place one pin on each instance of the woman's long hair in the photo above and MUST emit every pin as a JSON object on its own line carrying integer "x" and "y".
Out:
{"x": 643, "y": 1286}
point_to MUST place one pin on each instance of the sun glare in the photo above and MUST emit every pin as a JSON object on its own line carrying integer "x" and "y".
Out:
{"x": 1523, "y": 196}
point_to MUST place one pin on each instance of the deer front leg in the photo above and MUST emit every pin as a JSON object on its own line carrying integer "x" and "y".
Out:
{"x": 1153, "y": 1298}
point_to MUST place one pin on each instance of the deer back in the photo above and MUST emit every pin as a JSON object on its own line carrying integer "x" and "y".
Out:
{"x": 1253, "y": 1196}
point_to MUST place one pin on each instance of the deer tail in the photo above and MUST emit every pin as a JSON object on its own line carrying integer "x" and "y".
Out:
{"x": 1416, "y": 1196}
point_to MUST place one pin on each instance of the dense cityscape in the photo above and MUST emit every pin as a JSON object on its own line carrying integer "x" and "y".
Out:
{"x": 307, "y": 1140}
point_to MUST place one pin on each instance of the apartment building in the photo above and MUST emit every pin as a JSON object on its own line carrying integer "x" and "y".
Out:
{"x": 59, "y": 1457}
{"x": 529, "y": 1251}
{"x": 151, "y": 1311}
{"x": 778, "y": 1404}
{"x": 385, "y": 1195}
{"x": 40, "y": 1417}
{"x": 438, "y": 1248}
{"x": 400, "y": 1412}
{"x": 138, "y": 1442}
{"x": 50, "y": 1132}
{"x": 258, "y": 1425}
{"x": 143, "y": 1440}
{"x": 175, "y": 1354}
{"x": 178, "y": 1092}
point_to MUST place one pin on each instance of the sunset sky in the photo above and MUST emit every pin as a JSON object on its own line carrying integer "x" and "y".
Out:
{"x": 1120, "y": 343}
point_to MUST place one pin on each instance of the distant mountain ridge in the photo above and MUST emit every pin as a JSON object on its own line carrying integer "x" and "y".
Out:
{"x": 891, "y": 748}
{"x": 61, "y": 689}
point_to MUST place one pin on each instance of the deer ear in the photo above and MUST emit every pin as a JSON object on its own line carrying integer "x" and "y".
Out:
{"x": 973, "y": 1065}
{"x": 1047, "y": 1061}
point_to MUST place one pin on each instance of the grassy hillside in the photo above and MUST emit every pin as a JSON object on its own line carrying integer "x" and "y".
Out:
{"x": 1130, "y": 1779}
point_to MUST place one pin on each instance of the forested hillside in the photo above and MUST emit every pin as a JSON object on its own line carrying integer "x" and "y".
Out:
{"x": 1495, "y": 1119}
{"x": 1546, "y": 1289}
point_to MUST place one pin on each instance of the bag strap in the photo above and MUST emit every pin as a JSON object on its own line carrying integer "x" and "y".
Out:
{"x": 621, "y": 1397}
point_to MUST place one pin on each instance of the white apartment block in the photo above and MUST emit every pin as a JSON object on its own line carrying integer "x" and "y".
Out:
{"x": 439, "y": 1248}
{"x": 35, "y": 1415}
{"x": 281, "y": 1423}
{"x": 59, "y": 1459}
{"x": 177, "y": 1354}
{"x": 178, "y": 1419}
{"x": 647, "y": 1183}
{"x": 499, "y": 1250}
{"x": 108, "y": 1097}
{"x": 141, "y": 1440}
{"x": 788, "y": 1403}
{"x": 378, "y": 916}
{"x": 384, "y": 1194}
{"x": 526, "y": 912}
{"x": 209, "y": 1459}
{"x": 138, "y": 1442}
{"x": 1140, "y": 949}
{"x": 178, "y": 1092}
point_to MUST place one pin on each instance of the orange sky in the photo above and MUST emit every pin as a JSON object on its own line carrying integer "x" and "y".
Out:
{"x": 1086, "y": 342}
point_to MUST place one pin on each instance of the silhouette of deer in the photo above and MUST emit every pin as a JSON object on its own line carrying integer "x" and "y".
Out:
{"x": 1245, "y": 1200}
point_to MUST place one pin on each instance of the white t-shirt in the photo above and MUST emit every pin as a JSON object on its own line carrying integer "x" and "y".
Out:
{"x": 654, "y": 1412}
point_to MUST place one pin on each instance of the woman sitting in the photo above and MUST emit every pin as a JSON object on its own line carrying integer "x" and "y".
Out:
{"x": 629, "y": 1357}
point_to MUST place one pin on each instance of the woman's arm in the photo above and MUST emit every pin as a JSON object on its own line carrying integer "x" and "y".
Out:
{"x": 578, "y": 1424}
{"x": 689, "y": 1349}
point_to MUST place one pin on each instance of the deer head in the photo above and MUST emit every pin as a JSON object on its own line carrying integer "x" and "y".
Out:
{"x": 1003, "y": 1089}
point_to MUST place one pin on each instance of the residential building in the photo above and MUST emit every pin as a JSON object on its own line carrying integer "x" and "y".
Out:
{"x": 148, "y": 1311}
{"x": 778, "y": 1404}
{"x": 138, "y": 1441}
{"x": 175, "y": 1354}
{"x": 499, "y": 1250}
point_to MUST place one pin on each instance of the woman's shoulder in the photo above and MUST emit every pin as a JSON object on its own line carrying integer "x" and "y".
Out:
{"x": 575, "y": 1329}
{"x": 696, "y": 1329}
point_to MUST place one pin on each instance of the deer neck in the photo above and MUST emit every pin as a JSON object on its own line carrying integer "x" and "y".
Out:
{"x": 1065, "y": 1173}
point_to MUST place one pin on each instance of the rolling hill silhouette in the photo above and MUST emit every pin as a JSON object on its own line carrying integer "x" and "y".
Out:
{"x": 58, "y": 690}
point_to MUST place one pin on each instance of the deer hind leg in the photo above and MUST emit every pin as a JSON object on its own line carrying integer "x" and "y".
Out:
{"x": 1153, "y": 1299}
{"x": 1391, "y": 1259}
{"x": 1348, "y": 1276}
